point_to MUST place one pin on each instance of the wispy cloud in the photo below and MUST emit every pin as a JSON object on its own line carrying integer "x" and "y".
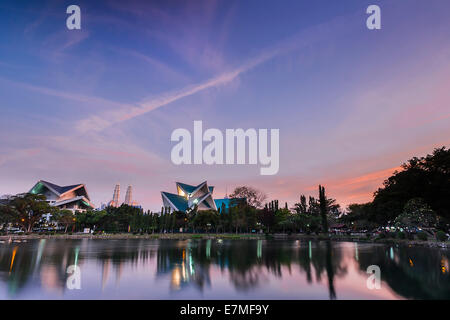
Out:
{"x": 99, "y": 123}
{"x": 65, "y": 95}
{"x": 18, "y": 154}
{"x": 302, "y": 39}
{"x": 187, "y": 30}
{"x": 159, "y": 66}
{"x": 58, "y": 44}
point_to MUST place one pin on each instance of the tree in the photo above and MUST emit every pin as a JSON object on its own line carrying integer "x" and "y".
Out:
{"x": 254, "y": 197}
{"x": 416, "y": 214}
{"x": 90, "y": 219}
{"x": 426, "y": 177}
{"x": 314, "y": 207}
{"x": 237, "y": 218}
{"x": 333, "y": 208}
{"x": 65, "y": 218}
{"x": 206, "y": 219}
{"x": 283, "y": 219}
{"x": 323, "y": 208}
{"x": 26, "y": 210}
{"x": 301, "y": 207}
{"x": 266, "y": 217}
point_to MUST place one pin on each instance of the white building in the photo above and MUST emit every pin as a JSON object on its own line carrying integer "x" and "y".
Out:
{"x": 73, "y": 197}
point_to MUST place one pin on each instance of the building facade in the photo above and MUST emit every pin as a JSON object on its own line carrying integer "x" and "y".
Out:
{"x": 189, "y": 197}
{"x": 73, "y": 197}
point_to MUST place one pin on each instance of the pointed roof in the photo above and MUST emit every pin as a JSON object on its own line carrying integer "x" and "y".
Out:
{"x": 189, "y": 196}
{"x": 186, "y": 187}
{"x": 179, "y": 202}
{"x": 61, "y": 189}
{"x": 82, "y": 199}
{"x": 58, "y": 190}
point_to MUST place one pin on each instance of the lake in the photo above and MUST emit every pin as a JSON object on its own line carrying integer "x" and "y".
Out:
{"x": 219, "y": 269}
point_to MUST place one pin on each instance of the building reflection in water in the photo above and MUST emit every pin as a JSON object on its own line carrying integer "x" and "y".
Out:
{"x": 247, "y": 265}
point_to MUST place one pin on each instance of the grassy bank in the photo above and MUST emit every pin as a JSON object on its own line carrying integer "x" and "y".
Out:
{"x": 175, "y": 236}
{"x": 231, "y": 236}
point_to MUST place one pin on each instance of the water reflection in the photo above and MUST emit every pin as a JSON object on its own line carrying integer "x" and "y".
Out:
{"x": 414, "y": 273}
{"x": 220, "y": 269}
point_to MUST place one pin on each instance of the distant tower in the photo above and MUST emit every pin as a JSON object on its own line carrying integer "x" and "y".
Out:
{"x": 115, "y": 201}
{"x": 129, "y": 196}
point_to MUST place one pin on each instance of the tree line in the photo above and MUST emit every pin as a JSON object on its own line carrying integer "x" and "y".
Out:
{"x": 246, "y": 214}
{"x": 416, "y": 196}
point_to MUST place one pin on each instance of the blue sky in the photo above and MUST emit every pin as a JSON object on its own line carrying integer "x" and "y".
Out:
{"x": 98, "y": 105}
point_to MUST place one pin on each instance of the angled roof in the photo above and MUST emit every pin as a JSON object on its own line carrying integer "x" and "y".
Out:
{"x": 59, "y": 189}
{"x": 84, "y": 200}
{"x": 203, "y": 200}
{"x": 186, "y": 187}
{"x": 178, "y": 201}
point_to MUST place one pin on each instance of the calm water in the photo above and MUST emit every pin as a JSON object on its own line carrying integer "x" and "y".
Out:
{"x": 215, "y": 269}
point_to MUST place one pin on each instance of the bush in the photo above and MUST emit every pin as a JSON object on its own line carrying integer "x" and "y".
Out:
{"x": 441, "y": 236}
{"x": 422, "y": 236}
{"x": 269, "y": 236}
{"x": 382, "y": 236}
{"x": 401, "y": 235}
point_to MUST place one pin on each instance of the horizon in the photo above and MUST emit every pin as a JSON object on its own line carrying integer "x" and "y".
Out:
{"x": 97, "y": 106}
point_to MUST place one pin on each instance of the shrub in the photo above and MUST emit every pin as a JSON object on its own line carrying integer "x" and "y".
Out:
{"x": 382, "y": 235}
{"x": 441, "y": 236}
{"x": 401, "y": 235}
{"x": 422, "y": 236}
{"x": 269, "y": 236}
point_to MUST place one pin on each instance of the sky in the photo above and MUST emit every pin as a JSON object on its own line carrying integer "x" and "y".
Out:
{"x": 98, "y": 105}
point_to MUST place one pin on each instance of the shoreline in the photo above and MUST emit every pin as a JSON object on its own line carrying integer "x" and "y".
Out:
{"x": 228, "y": 236}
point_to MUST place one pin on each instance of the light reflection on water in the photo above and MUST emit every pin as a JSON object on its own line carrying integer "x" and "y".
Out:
{"x": 220, "y": 269}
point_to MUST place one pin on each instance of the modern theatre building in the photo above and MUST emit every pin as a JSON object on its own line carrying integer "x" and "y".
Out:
{"x": 73, "y": 197}
{"x": 188, "y": 197}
